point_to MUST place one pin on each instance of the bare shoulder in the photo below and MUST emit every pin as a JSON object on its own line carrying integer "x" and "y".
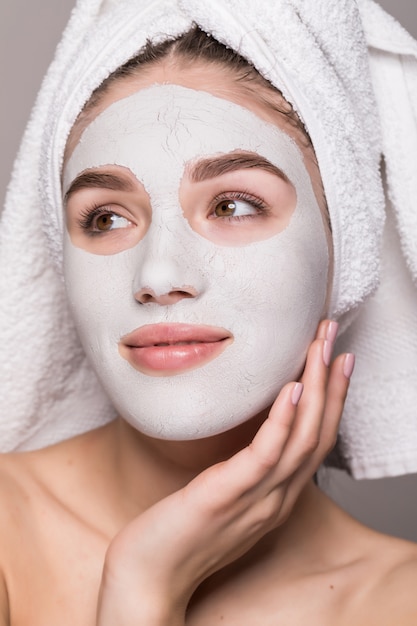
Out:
{"x": 47, "y": 541}
{"x": 375, "y": 575}
{"x": 19, "y": 475}
{"x": 31, "y": 488}
{"x": 398, "y": 584}
{"x": 389, "y": 595}
{"x": 13, "y": 497}
{"x": 12, "y": 486}
{"x": 17, "y": 492}
{"x": 4, "y": 603}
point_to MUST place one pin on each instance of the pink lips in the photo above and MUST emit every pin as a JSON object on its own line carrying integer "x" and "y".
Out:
{"x": 169, "y": 349}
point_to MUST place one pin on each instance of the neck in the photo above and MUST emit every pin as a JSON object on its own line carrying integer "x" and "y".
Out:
{"x": 170, "y": 464}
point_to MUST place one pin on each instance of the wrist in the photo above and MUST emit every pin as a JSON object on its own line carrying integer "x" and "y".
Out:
{"x": 130, "y": 603}
{"x": 142, "y": 614}
{"x": 140, "y": 611}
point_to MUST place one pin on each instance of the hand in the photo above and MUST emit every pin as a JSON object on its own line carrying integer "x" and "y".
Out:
{"x": 158, "y": 560}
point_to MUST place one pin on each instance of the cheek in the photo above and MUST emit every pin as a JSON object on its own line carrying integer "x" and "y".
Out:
{"x": 280, "y": 297}
{"x": 99, "y": 292}
{"x": 280, "y": 286}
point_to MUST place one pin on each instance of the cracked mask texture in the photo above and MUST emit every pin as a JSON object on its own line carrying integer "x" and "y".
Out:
{"x": 269, "y": 294}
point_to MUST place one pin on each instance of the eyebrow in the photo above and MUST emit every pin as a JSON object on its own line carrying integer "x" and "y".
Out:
{"x": 204, "y": 169}
{"x": 102, "y": 180}
{"x": 211, "y": 167}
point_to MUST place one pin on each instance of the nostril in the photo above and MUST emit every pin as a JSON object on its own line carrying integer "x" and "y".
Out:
{"x": 184, "y": 294}
{"x": 146, "y": 297}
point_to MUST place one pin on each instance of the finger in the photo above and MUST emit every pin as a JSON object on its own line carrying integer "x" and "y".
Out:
{"x": 315, "y": 375}
{"x": 232, "y": 479}
{"x": 270, "y": 441}
{"x": 315, "y": 378}
{"x": 337, "y": 389}
{"x": 305, "y": 435}
{"x": 284, "y": 414}
{"x": 338, "y": 385}
{"x": 327, "y": 329}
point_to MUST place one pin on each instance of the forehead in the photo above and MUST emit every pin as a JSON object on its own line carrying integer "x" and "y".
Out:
{"x": 214, "y": 78}
{"x": 162, "y": 128}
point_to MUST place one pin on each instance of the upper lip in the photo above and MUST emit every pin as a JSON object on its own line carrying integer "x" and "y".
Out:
{"x": 169, "y": 334}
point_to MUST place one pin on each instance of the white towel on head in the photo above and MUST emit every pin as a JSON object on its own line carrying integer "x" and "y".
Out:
{"x": 316, "y": 53}
{"x": 378, "y": 435}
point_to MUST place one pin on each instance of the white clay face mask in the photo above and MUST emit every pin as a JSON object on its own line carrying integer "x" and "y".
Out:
{"x": 191, "y": 337}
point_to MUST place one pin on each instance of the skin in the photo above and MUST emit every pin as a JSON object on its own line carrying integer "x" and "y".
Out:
{"x": 113, "y": 527}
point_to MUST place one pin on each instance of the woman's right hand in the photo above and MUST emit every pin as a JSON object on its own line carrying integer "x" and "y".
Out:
{"x": 154, "y": 565}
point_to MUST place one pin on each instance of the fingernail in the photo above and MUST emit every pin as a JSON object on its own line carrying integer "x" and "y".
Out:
{"x": 296, "y": 393}
{"x": 332, "y": 329}
{"x": 348, "y": 365}
{"x": 327, "y": 352}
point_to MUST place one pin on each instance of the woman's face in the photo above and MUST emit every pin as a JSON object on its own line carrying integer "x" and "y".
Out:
{"x": 196, "y": 257}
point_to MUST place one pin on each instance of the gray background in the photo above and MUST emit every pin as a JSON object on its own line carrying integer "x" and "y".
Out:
{"x": 29, "y": 32}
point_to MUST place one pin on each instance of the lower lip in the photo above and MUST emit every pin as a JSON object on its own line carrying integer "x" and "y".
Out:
{"x": 174, "y": 359}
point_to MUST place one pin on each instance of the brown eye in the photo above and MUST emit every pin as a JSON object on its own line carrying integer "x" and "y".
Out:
{"x": 225, "y": 208}
{"x": 235, "y": 208}
{"x": 104, "y": 222}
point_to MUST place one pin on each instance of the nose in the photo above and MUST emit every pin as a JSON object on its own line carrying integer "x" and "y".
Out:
{"x": 165, "y": 272}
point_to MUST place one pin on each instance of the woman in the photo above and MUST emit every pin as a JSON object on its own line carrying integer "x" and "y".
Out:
{"x": 186, "y": 178}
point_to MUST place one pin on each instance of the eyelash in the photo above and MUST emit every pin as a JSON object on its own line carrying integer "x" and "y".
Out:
{"x": 259, "y": 204}
{"x": 87, "y": 217}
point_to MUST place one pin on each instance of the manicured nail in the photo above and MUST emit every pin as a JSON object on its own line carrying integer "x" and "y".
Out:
{"x": 296, "y": 393}
{"x": 348, "y": 365}
{"x": 327, "y": 352}
{"x": 332, "y": 329}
